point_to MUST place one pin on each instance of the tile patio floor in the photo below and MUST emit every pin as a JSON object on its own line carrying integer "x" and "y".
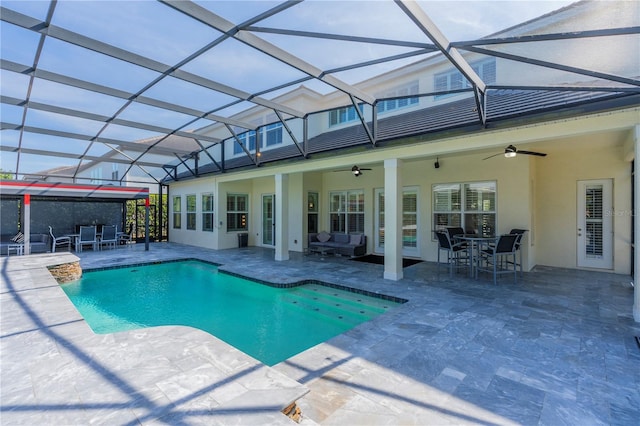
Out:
{"x": 556, "y": 348}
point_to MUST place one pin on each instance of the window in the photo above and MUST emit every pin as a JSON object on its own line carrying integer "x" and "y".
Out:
{"x": 343, "y": 115}
{"x": 207, "y": 212}
{"x": 177, "y": 212}
{"x": 270, "y": 135}
{"x": 346, "y": 212}
{"x": 96, "y": 176}
{"x": 392, "y": 104}
{"x": 312, "y": 212}
{"x": 454, "y": 80}
{"x": 237, "y": 212}
{"x": 468, "y": 205}
{"x": 248, "y": 140}
{"x": 273, "y": 134}
{"x": 191, "y": 212}
{"x": 114, "y": 172}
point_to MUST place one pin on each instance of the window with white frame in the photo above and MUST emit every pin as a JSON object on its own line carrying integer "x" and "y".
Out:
{"x": 207, "y": 212}
{"x": 471, "y": 206}
{"x": 313, "y": 208}
{"x": 402, "y": 93}
{"x": 273, "y": 134}
{"x": 96, "y": 175}
{"x": 237, "y": 212}
{"x": 191, "y": 212}
{"x": 270, "y": 135}
{"x": 114, "y": 171}
{"x": 454, "y": 80}
{"x": 177, "y": 212}
{"x": 346, "y": 211}
{"x": 343, "y": 115}
{"x": 246, "y": 139}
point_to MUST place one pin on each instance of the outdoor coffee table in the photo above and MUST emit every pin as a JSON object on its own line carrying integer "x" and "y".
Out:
{"x": 323, "y": 251}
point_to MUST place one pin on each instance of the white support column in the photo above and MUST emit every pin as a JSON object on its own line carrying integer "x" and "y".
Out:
{"x": 393, "y": 219}
{"x": 282, "y": 217}
{"x": 26, "y": 223}
{"x": 636, "y": 220}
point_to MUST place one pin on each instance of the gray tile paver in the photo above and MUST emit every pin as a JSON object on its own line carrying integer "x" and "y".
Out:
{"x": 556, "y": 348}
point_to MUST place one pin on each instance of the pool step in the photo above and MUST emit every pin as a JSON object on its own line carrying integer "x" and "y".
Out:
{"x": 346, "y": 298}
{"x": 334, "y": 307}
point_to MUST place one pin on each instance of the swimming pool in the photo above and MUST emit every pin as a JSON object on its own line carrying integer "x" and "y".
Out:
{"x": 270, "y": 324}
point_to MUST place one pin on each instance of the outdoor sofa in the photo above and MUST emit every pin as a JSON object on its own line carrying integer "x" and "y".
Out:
{"x": 338, "y": 243}
{"x": 40, "y": 243}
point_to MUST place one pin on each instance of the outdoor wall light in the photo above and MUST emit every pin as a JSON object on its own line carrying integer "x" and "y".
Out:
{"x": 436, "y": 164}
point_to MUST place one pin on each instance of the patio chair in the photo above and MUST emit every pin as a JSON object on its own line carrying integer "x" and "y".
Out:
{"x": 87, "y": 236}
{"x": 457, "y": 253}
{"x": 108, "y": 236}
{"x": 456, "y": 230}
{"x": 490, "y": 258}
{"x": 520, "y": 234}
{"x": 128, "y": 237}
{"x": 59, "y": 241}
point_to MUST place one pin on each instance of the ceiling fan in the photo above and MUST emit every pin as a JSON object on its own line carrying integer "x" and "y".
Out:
{"x": 357, "y": 171}
{"x": 511, "y": 151}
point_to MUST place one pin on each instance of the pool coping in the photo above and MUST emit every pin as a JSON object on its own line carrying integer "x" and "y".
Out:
{"x": 292, "y": 284}
{"x": 191, "y": 376}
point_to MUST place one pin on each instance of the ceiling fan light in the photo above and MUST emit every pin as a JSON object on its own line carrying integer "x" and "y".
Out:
{"x": 510, "y": 151}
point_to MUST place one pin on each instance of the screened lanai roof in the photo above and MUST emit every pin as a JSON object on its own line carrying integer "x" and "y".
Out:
{"x": 141, "y": 84}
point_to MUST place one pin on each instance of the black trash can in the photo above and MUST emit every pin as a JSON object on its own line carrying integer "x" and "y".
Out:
{"x": 243, "y": 240}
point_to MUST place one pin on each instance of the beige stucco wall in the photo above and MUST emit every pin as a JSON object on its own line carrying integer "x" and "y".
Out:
{"x": 538, "y": 194}
{"x": 596, "y": 156}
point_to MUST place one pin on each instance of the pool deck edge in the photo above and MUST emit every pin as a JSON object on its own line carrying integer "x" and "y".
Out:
{"x": 56, "y": 370}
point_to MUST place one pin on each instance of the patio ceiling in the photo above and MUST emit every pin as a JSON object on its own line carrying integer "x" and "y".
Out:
{"x": 136, "y": 82}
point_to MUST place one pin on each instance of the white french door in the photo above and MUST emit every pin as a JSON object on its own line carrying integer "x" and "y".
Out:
{"x": 268, "y": 220}
{"x": 595, "y": 224}
{"x": 410, "y": 231}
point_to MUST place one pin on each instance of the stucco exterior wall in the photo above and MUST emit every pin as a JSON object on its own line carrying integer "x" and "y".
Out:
{"x": 594, "y": 156}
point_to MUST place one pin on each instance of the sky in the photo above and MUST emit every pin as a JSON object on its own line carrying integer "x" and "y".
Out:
{"x": 159, "y": 33}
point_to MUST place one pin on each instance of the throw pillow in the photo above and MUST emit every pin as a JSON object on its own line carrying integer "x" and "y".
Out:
{"x": 355, "y": 239}
{"x": 323, "y": 237}
{"x": 18, "y": 238}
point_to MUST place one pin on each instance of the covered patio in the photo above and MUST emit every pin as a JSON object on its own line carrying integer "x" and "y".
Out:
{"x": 557, "y": 348}
{"x": 273, "y": 121}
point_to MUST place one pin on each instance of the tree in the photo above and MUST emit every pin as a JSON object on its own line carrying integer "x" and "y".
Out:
{"x": 6, "y": 175}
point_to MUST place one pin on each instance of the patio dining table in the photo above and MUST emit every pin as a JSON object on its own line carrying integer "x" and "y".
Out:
{"x": 74, "y": 237}
{"x": 475, "y": 243}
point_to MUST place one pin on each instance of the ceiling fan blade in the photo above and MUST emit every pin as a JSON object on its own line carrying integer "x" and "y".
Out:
{"x": 539, "y": 154}
{"x": 494, "y": 155}
{"x": 363, "y": 168}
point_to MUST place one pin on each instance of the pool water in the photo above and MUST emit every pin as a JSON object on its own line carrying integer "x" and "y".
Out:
{"x": 270, "y": 324}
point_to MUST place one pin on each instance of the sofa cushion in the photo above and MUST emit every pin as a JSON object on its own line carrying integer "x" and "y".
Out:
{"x": 355, "y": 239}
{"x": 18, "y": 238}
{"x": 341, "y": 238}
{"x": 323, "y": 237}
{"x": 38, "y": 238}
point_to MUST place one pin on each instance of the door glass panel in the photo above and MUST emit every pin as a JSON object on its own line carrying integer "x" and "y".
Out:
{"x": 410, "y": 219}
{"x": 381, "y": 219}
{"x": 593, "y": 221}
{"x": 267, "y": 220}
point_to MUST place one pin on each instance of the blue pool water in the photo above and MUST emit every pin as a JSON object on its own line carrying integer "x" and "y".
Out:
{"x": 270, "y": 324}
